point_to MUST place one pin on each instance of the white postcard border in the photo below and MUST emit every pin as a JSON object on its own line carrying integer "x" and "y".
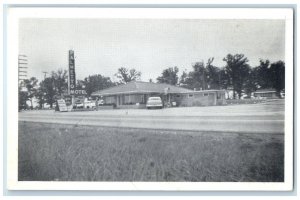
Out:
{"x": 14, "y": 14}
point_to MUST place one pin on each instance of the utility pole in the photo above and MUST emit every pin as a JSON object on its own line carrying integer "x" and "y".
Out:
{"x": 45, "y": 74}
{"x": 22, "y": 68}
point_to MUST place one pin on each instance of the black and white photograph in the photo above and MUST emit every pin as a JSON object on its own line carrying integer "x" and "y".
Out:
{"x": 176, "y": 98}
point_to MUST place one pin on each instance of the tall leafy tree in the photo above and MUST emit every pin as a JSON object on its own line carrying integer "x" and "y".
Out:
{"x": 127, "y": 75}
{"x": 199, "y": 76}
{"x": 48, "y": 91}
{"x": 263, "y": 75}
{"x": 169, "y": 76}
{"x": 31, "y": 87}
{"x": 80, "y": 84}
{"x": 202, "y": 77}
{"x": 96, "y": 82}
{"x": 196, "y": 79}
{"x": 51, "y": 87}
{"x": 224, "y": 79}
{"x": 41, "y": 96}
{"x": 237, "y": 69}
{"x": 251, "y": 82}
{"x": 23, "y": 97}
{"x": 183, "y": 79}
{"x": 212, "y": 75}
{"x": 60, "y": 78}
{"x": 277, "y": 71}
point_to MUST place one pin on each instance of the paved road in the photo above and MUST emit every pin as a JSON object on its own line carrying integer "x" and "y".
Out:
{"x": 255, "y": 118}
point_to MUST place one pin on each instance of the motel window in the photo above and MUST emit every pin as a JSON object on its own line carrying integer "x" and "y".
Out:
{"x": 266, "y": 95}
{"x": 198, "y": 95}
{"x": 133, "y": 99}
{"x": 126, "y": 99}
{"x": 178, "y": 95}
{"x": 191, "y": 95}
{"x": 205, "y": 94}
{"x": 109, "y": 100}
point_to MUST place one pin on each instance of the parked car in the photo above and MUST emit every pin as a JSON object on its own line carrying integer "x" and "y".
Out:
{"x": 89, "y": 104}
{"x": 78, "y": 105}
{"x": 100, "y": 102}
{"x": 154, "y": 102}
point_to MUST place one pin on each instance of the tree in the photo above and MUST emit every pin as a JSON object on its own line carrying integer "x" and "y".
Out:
{"x": 195, "y": 79}
{"x": 198, "y": 76}
{"x": 263, "y": 75}
{"x": 23, "y": 97}
{"x": 202, "y": 77}
{"x": 127, "y": 75}
{"x": 40, "y": 95}
{"x": 183, "y": 79}
{"x": 80, "y": 85}
{"x": 251, "y": 82}
{"x": 60, "y": 78}
{"x": 47, "y": 87}
{"x": 212, "y": 75}
{"x": 96, "y": 82}
{"x": 277, "y": 77}
{"x": 51, "y": 87}
{"x": 224, "y": 79}
{"x": 238, "y": 71}
{"x": 169, "y": 76}
{"x": 31, "y": 87}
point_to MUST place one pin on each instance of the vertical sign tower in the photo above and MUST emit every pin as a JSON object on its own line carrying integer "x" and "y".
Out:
{"x": 72, "y": 75}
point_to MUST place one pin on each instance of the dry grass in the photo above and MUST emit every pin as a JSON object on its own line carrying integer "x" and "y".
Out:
{"x": 50, "y": 152}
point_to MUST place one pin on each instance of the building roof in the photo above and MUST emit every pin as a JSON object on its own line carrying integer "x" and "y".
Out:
{"x": 268, "y": 90}
{"x": 136, "y": 87}
{"x": 205, "y": 91}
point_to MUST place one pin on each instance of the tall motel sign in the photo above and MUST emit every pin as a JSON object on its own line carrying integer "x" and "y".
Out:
{"x": 69, "y": 100}
{"x": 72, "y": 90}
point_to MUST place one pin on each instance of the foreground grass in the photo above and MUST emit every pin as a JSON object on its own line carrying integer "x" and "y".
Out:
{"x": 50, "y": 152}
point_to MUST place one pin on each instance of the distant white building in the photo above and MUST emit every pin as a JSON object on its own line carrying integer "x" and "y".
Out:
{"x": 265, "y": 94}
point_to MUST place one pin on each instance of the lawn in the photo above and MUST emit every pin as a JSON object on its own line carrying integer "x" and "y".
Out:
{"x": 57, "y": 152}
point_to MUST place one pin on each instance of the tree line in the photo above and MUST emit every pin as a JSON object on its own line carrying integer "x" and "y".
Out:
{"x": 236, "y": 75}
{"x": 56, "y": 85}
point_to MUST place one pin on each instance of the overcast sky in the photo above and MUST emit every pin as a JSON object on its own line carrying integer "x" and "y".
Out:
{"x": 103, "y": 45}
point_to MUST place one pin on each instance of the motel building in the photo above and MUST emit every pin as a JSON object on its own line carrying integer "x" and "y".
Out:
{"x": 265, "y": 94}
{"x": 136, "y": 93}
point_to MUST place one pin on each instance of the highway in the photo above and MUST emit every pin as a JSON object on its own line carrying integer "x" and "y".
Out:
{"x": 251, "y": 118}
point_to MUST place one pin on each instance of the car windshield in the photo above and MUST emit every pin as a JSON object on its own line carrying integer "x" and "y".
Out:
{"x": 154, "y": 99}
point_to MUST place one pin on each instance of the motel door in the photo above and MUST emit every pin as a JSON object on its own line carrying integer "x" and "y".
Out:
{"x": 212, "y": 99}
{"x": 119, "y": 100}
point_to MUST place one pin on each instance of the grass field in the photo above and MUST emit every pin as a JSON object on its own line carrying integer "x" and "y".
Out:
{"x": 53, "y": 152}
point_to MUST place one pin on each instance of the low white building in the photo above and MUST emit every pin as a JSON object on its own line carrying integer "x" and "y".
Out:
{"x": 265, "y": 94}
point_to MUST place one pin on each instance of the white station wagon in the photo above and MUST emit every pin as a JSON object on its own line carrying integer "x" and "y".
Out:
{"x": 154, "y": 102}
